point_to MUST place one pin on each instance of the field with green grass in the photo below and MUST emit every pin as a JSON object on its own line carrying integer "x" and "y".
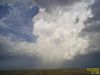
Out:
{"x": 47, "y": 72}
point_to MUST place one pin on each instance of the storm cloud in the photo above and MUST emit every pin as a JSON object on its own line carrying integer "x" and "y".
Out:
{"x": 49, "y": 34}
{"x": 92, "y": 28}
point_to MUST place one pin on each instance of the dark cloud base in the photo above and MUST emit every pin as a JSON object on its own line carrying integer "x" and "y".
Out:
{"x": 90, "y": 60}
{"x": 10, "y": 62}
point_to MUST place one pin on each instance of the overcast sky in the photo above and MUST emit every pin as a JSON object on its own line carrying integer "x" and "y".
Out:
{"x": 38, "y": 34}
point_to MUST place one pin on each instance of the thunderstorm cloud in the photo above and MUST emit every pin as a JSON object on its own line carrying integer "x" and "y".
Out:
{"x": 49, "y": 34}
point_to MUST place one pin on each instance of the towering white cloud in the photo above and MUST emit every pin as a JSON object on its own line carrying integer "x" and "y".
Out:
{"x": 58, "y": 31}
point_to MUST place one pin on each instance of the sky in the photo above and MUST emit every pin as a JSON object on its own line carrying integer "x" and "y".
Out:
{"x": 49, "y": 34}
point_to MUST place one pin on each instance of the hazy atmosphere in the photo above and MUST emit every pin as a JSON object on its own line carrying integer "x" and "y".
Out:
{"x": 49, "y": 34}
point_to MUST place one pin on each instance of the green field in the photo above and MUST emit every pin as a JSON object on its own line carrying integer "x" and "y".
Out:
{"x": 47, "y": 72}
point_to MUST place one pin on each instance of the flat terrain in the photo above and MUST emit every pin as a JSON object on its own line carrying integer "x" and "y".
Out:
{"x": 47, "y": 72}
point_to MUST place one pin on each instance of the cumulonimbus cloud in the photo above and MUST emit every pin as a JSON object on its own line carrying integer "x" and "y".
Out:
{"x": 57, "y": 31}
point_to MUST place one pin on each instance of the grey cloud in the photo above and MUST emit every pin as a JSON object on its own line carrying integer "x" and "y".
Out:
{"x": 84, "y": 61}
{"x": 10, "y": 62}
{"x": 49, "y": 4}
{"x": 95, "y": 11}
{"x": 4, "y": 44}
{"x": 92, "y": 28}
{"x": 55, "y": 2}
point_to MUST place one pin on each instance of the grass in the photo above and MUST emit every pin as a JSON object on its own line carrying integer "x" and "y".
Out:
{"x": 47, "y": 72}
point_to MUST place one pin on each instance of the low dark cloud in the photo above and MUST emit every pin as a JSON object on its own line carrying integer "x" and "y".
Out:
{"x": 4, "y": 44}
{"x": 10, "y": 62}
{"x": 84, "y": 61}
